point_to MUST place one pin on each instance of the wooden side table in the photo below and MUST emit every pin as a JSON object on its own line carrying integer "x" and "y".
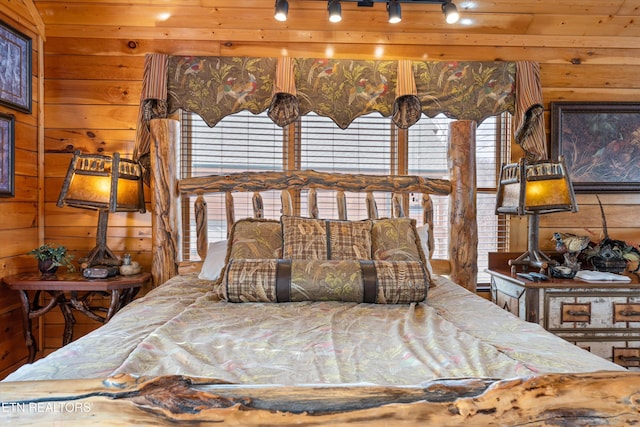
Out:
{"x": 121, "y": 288}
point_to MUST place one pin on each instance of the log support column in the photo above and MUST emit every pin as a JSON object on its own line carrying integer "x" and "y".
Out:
{"x": 164, "y": 199}
{"x": 463, "y": 246}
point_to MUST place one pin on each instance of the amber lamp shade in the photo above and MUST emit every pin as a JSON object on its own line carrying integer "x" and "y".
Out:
{"x": 532, "y": 189}
{"x": 106, "y": 184}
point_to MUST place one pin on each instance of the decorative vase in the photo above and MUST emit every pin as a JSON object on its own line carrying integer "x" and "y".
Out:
{"x": 45, "y": 266}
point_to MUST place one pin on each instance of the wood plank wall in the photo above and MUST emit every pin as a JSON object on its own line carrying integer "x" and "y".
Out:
{"x": 20, "y": 215}
{"x": 93, "y": 61}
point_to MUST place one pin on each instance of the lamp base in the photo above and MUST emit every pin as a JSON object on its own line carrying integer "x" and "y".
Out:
{"x": 532, "y": 259}
{"x": 101, "y": 255}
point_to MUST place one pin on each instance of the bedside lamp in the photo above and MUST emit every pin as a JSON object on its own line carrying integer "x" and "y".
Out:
{"x": 104, "y": 184}
{"x": 535, "y": 188}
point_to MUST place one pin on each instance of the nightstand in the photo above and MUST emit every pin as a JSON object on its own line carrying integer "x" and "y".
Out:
{"x": 603, "y": 318}
{"x": 122, "y": 290}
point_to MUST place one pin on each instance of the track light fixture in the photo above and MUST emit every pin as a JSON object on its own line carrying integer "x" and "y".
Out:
{"x": 450, "y": 12}
{"x": 393, "y": 9}
{"x": 282, "y": 10}
{"x": 335, "y": 10}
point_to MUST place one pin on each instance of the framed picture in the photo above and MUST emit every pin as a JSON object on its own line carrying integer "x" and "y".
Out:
{"x": 600, "y": 143}
{"x": 15, "y": 74}
{"x": 7, "y": 123}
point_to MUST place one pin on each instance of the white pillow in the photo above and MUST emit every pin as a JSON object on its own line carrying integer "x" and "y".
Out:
{"x": 214, "y": 261}
{"x": 423, "y": 234}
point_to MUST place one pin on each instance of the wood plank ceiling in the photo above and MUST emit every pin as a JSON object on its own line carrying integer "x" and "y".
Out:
{"x": 504, "y": 26}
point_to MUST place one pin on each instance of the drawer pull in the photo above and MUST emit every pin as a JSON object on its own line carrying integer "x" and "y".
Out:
{"x": 629, "y": 313}
{"x": 578, "y": 313}
{"x": 629, "y": 358}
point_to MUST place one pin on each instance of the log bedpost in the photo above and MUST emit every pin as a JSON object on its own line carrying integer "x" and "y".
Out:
{"x": 164, "y": 199}
{"x": 372, "y": 207}
{"x": 229, "y": 211}
{"x": 427, "y": 221}
{"x": 258, "y": 205}
{"x": 463, "y": 244}
{"x": 202, "y": 235}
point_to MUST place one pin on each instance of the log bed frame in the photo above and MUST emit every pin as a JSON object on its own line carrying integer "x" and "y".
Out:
{"x": 599, "y": 398}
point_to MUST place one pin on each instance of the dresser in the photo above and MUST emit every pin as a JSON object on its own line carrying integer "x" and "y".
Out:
{"x": 603, "y": 318}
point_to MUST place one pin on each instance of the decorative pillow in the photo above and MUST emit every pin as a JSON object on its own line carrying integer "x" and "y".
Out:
{"x": 382, "y": 282}
{"x": 252, "y": 238}
{"x": 214, "y": 261}
{"x": 255, "y": 238}
{"x": 396, "y": 239}
{"x": 308, "y": 238}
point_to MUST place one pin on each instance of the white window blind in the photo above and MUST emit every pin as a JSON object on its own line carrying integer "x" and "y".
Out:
{"x": 365, "y": 147}
{"x": 371, "y": 144}
{"x": 428, "y": 157}
{"x": 240, "y": 142}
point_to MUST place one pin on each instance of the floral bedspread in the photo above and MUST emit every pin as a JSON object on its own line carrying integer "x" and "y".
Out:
{"x": 182, "y": 328}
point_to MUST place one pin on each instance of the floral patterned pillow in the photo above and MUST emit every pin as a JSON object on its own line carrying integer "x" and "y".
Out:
{"x": 396, "y": 239}
{"x": 252, "y": 238}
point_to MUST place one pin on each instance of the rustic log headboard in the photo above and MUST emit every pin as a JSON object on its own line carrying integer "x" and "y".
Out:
{"x": 167, "y": 191}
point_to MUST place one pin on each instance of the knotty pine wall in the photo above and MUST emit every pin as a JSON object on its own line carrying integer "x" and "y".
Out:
{"x": 21, "y": 215}
{"x": 93, "y": 61}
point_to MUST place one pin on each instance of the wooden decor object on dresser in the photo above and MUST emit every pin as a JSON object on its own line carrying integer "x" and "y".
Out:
{"x": 603, "y": 317}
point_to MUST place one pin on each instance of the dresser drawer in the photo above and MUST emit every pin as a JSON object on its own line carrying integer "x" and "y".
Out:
{"x": 624, "y": 353}
{"x": 591, "y": 310}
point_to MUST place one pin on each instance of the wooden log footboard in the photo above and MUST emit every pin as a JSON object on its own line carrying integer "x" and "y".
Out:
{"x": 601, "y": 398}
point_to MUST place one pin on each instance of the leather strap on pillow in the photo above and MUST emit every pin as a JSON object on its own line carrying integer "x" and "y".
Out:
{"x": 283, "y": 280}
{"x": 369, "y": 281}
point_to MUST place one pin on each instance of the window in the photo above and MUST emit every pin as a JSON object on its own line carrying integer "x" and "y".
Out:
{"x": 371, "y": 144}
{"x": 427, "y": 148}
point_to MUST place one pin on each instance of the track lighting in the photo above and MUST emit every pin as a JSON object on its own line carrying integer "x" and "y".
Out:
{"x": 393, "y": 9}
{"x": 450, "y": 12}
{"x": 335, "y": 11}
{"x": 282, "y": 10}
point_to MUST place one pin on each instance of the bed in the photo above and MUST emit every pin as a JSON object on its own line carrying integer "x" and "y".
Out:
{"x": 317, "y": 322}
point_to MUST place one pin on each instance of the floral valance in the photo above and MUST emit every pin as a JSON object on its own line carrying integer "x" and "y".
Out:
{"x": 343, "y": 90}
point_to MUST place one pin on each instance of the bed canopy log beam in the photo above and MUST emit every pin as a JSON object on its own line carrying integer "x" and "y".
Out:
{"x": 357, "y": 183}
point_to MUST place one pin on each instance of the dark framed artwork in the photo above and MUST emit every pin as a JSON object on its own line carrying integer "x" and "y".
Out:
{"x": 7, "y": 141}
{"x": 15, "y": 73}
{"x": 600, "y": 142}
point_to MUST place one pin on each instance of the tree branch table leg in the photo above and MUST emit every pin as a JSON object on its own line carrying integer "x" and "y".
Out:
{"x": 69, "y": 320}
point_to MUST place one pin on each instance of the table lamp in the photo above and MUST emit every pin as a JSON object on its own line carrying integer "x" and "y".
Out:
{"x": 534, "y": 188}
{"x": 106, "y": 184}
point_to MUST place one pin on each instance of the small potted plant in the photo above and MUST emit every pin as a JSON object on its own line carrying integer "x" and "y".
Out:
{"x": 50, "y": 257}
